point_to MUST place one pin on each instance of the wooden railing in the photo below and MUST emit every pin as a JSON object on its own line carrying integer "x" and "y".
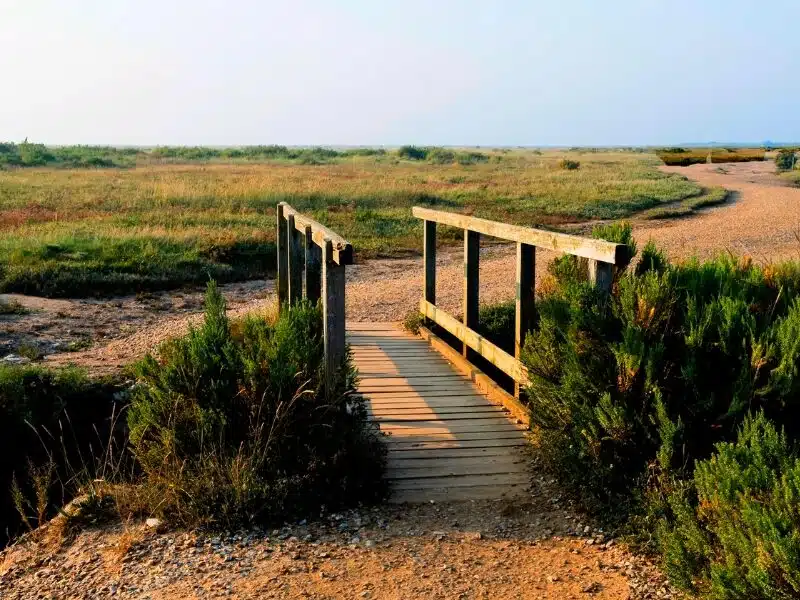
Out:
{"x": 602, "y": 258}
{"x": 311, "y": 263}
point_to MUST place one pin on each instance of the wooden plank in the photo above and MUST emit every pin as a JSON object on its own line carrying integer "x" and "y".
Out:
{"x": 601, "y": 274}
{"x": 333, "y": 286}
{"x": 283, "y": 258}
{"x": 463, "y": 481}
{"x": 500, "y": 461}
{"x": 437, "y": 443}
{"x": 494, "y": 354}
{"x": 392, "y": 380}
{"x": 373, "y": 326}
{"x": 472, "y": 286}
{"x": 420, "y": 388}
{"x": 341, "y": 249}
{"x": 390, "y": 377}
{"x": 438, "y": 470}
{"x": 442, "y": 427}
{"x": 559, "y": 242}
{"x": 313, "y": 271}
{"x": 426, "y": 417}
{"x": 432, "y": 395}
{"x": 433, "y": 454}
{"x": 429, "y": 249}
{"x": 296, "y": 256}
{"x": 427, "y": 413}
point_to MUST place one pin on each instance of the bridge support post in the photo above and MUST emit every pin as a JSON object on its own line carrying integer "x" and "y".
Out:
{"x": 333, "y": 285}
{"x": 601, "y": 274}
{"x": 283, "y": 258}
{"x": 472, "y": 255}
{"x": 430, "y": 261}
{"x": 525, "y": 294}
{"x": 313, "y": 272}
{"x": 296, "y": 257}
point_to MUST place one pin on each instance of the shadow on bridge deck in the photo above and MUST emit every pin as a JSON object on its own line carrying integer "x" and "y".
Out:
{"x": 446, "y": 440}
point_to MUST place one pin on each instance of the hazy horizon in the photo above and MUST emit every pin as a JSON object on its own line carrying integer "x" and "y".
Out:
{"x": 359, "y": 73}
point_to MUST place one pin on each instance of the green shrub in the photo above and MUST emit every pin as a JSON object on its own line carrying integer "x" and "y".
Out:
{"x": 497, "y": 324}
{"x": 734, "y": 528}
{"x": 233, "y": 424}
{"x": 786, "y": 159}
{"x": 569, "y": 165}
{"x": 412, "y": 152}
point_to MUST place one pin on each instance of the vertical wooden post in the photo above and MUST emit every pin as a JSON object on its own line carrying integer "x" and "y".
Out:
{"x": 601, "y": 274}
{"x": 472, "y": 255}
{"x": 283, "y": 263}
{"x": 526, "y": 293}
{"x": 430, "y": 261}
{"x": 332, "y": 314}
{"x": 296, "y": 256}
{"x": 313, "y": 272}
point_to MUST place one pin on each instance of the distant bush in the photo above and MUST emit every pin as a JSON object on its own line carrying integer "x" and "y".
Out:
{"x": 684, "y": 158}
{"x": 734, "y": 533}
{"x": 233, "y": 424}
{"x": 440, "y": 156}
{"x": 786, "y": 159}
{"x": 569, "y": 165}
{"x": 412, "y": 153}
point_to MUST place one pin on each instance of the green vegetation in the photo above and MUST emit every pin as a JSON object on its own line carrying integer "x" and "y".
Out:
{"x": 569, "y": 165}
{"x": 78, "y": 232}
{"x": 680, "y": 157}
{"x": 786, "y": 159}
{"x": 707, "y": 197}
{"x": 231, "y": 425}
{"x": 12, "y": 307}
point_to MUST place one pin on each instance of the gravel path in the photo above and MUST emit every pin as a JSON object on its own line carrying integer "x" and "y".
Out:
{"x": 529, "y": 548}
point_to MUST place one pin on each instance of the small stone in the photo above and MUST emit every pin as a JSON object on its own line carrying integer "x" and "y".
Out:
{"x": 153, "y": 522}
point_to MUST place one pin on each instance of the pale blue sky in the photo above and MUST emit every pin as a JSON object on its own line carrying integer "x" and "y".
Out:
{"x": 504, "y": 72}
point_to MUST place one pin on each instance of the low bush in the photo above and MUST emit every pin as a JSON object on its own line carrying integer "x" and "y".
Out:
{"x": 233, "y": 425}
{"x": 52, "y": 423}
{"x": 680, "y": 157}
{"x": 734, "y": 531}
{"x": 786, "y": 159}
{"x": 412, "y": 152}
{"x": 569, "y": 165}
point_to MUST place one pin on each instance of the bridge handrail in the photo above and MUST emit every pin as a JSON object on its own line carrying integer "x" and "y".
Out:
{"x": 311, "y": 264}
{"x": 602, "y": 258}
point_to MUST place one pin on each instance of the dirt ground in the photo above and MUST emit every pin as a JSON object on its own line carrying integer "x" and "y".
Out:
{"x": 532, "y": 547}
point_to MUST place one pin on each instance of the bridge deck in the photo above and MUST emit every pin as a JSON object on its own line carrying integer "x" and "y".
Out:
{"x": 446, "y": 440}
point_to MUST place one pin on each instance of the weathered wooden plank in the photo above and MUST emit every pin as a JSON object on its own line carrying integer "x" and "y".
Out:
{"x": 495, "y": 355}
{"x": 438, "y": 443}
{"x": 283, "y": 257}
{"x": 333, "y": 283}
{"x": 411, "y": 418}
{"x": 476, "y": 492}
{"x": 313, "y": 271}
{"x": 296, "y": 254}
{"x": 560, "y": 242}
{"x": 428, "y": 412}
{"x": 435, "y": 454}
{"x": 393, "y": 380}
{"x": 601, "y": 274}
{"x": 341, "y": 249}
{"x": 462, "y": 481}
{"x": 472, "y": 286}
{"x": 438, "y": 395}
{"x": 435, "y": 471}
{"x": 374, "y": 326}
{"x": 442, "y": 427}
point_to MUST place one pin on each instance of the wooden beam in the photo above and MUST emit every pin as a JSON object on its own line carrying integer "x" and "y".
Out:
{"x": 526, "y": 293}
{"x": 494, "y": 354}
{"x": 313, "y": 272}
{"x": 296, "y": 257}
{"x": 560, "y": 242}
{"x": 472, "y": 256}
{"x": 342, "y": 250}
{"x": 283, "y": 257}
{"x": 601, "y": 274}
{"x": 333, "y": 285}
{"x": 430, "y": 261}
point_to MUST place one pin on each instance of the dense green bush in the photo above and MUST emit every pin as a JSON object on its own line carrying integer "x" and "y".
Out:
{"x": 736, "y": 527}
{"x": 233, "y": 424}
{"x": 569, "y": 165}
{"x": 51, "y": 422}
{"x": 786, "y": 159}
{"x": 412, "y": 152}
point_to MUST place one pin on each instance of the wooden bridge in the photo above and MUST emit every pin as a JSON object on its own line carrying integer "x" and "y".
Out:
{"x": 453, "y": 433}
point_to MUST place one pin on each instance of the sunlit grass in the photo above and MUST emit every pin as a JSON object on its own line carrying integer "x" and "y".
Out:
{"x": 78, "y": 232}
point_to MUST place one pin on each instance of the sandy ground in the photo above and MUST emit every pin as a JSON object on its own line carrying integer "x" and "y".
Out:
{"x": 527, "y": 548}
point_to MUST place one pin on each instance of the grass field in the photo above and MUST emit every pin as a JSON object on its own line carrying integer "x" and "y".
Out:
{"x": 76, "y": 232}
{"x": 681, "y": 157}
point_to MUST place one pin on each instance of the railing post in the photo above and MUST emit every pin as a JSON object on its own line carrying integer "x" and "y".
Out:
{"x": 333, "y": 316}
{"x": 313, "y": 272}
{"x": 526, "y": 294}
{"x": 296, "y": 255}
{"x": 472, "y": 255}
{"x": 283, "y": 264}
{"x": 601, "y": 274}
{"x": 430, "y": 261}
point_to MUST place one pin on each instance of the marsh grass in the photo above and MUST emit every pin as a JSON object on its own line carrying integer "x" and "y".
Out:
{"x": 78, "y": 232}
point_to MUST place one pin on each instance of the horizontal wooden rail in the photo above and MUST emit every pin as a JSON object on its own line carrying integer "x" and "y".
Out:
{"x": 602, "y": 257}
{"x": 491, "y": 352}
{"x": 600, "y": 250}
{"x": 342, "y": 249}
